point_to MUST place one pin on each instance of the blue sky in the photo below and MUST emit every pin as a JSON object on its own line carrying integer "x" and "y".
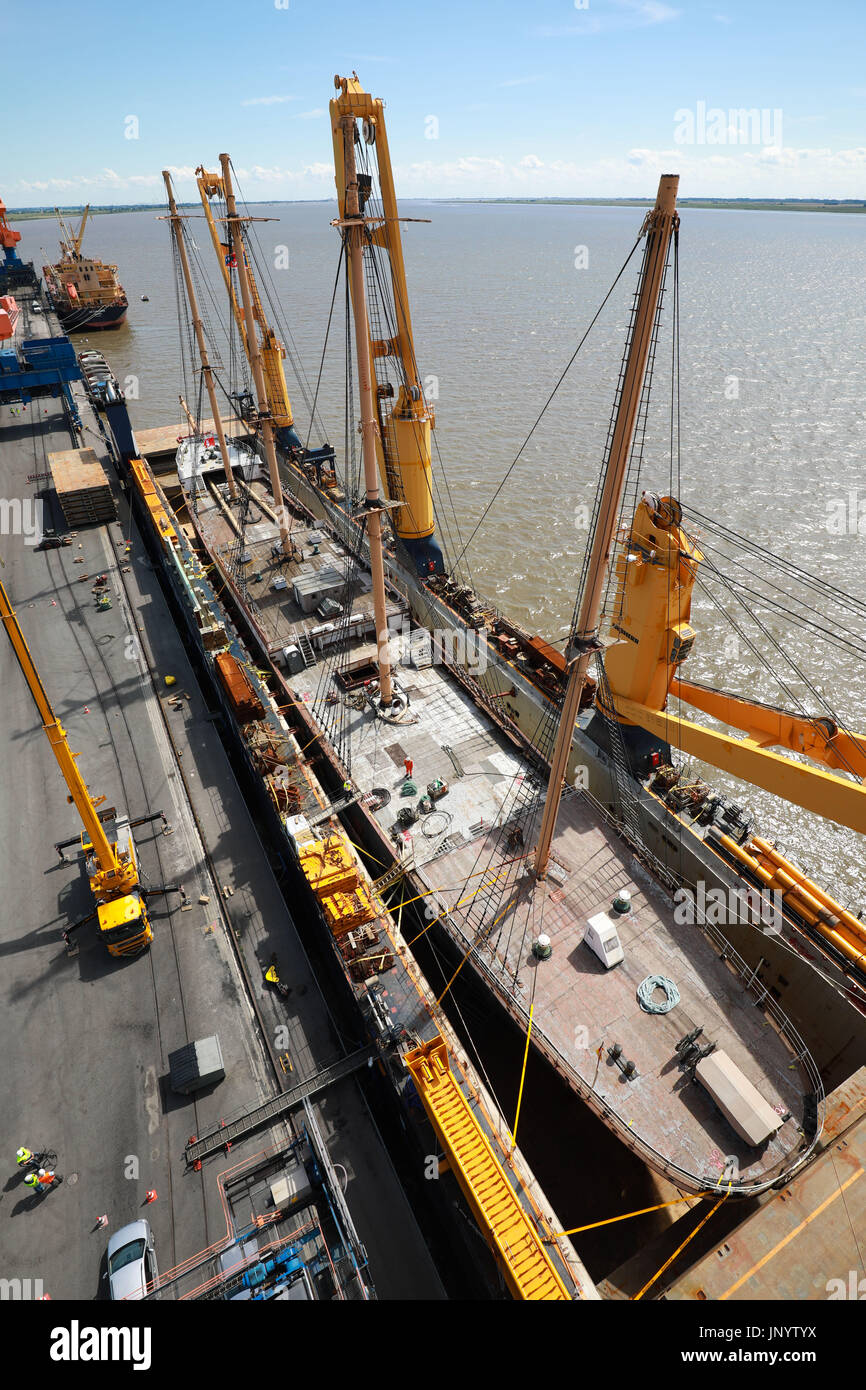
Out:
{"x": 561, "y": 97}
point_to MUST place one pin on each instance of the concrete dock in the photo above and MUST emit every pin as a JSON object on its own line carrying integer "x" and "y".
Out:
{"x": 86, "y": 1039}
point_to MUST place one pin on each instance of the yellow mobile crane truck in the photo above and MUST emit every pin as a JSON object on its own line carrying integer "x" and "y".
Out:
{"x": 112, "y": 868}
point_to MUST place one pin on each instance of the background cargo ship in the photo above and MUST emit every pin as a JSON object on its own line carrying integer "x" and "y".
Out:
{"x": 85, "y": 292}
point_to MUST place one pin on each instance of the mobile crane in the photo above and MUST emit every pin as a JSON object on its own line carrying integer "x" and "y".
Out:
{"x": 112, "y": 868}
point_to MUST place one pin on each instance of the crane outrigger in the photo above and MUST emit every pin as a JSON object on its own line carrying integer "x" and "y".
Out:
{"x": 112, "y": 868}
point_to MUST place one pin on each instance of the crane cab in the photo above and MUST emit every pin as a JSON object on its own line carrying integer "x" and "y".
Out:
{"x": 123, "y": 925}
{"x": 120, "y": 909}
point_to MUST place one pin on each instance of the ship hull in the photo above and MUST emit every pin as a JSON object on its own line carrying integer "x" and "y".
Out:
{"x": 78, "y": 319}
{"x": 444, "y": 934}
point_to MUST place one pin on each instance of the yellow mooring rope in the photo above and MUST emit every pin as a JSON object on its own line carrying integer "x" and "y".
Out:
{"x": 669, "y": 1262}
{"x": 522, "y": 1079}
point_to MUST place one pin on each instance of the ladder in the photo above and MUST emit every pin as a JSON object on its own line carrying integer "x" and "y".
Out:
{"x": 628, "y": 813}
{"x": 306, "y": 649}
{"x": 395, "y": 873}
{"x": 506, "y": 1225}
{"x": 278, "y": 1106}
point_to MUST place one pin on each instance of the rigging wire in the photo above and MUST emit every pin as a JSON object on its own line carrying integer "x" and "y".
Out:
{"x": 543, "y": 410}
{"x": 778, "y": 562}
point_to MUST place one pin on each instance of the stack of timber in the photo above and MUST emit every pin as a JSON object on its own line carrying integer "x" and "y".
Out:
{"x": 82, "y": 487}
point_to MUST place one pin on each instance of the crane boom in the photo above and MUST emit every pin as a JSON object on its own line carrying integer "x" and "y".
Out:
{"x": 56, "y": 735}
{"x": 113, "y": 876}
{"x": 659, "y": 227}
{"x": 71, "y": 242}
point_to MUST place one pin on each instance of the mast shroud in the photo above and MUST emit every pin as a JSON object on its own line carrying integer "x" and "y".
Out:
{"x": 659, "y": 226}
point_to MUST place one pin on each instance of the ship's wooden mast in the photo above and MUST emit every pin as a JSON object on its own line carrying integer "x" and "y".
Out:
{"x": 659, "y": 227}
{"x": 354, "y": 226}
{"x": 235, "y": 225}
{"x": 177, "y": 227}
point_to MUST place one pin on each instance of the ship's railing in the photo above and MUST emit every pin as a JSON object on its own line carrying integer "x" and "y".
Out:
{"x": 641, "y": 1147}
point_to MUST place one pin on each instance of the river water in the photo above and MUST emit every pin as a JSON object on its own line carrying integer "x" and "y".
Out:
{"x": 773, "y": 347}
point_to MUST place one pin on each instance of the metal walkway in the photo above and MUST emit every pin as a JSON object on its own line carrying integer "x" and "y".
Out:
{"x": 277, "y": 1106}
{"x": 508, "y": 1229}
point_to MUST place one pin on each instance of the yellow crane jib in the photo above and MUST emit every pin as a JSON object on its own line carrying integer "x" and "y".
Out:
{"x": 651, "y": 635}
{"x": 405, "y": 419}
{"x": 507, "y": 1227}
{"x": 71, "y": 242}
{"x": 112, "y": 868}
{"x": 273, "y": 353}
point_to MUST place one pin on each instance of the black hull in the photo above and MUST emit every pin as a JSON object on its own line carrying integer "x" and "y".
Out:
{"x": 77, "y": 320}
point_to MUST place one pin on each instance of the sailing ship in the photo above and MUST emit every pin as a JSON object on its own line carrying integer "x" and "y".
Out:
{"x": 554, "y": 811}
{"x": 85, "y": 291}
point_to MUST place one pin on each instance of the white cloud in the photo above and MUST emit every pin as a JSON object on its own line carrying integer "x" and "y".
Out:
{"x": 309, "y": 115}
{"x": 704, "y": 172}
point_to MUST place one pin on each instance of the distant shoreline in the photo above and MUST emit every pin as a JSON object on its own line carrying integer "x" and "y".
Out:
{"x": 735, "y": 204}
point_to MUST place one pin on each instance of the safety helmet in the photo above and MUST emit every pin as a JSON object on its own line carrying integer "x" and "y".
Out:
{"x": 22, "y": 1153}
{"x": 31, "y": 1179}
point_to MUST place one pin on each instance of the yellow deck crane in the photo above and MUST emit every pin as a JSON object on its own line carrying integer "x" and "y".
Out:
{"x": 656, "y": 570}
{"x": 70, "y": 243}
{"x": 403, "y": 441}
{"x": 112, "y": 868}
{"x": 272, "y": 351}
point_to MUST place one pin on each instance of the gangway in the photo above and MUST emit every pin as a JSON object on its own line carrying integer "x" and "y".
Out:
{"x": 277, "y": 1106}
{"x": 506, "y": 1226}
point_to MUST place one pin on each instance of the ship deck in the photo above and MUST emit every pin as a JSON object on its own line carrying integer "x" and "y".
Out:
{"x": 459, "y": 852}
{"x": 256, "y": 570}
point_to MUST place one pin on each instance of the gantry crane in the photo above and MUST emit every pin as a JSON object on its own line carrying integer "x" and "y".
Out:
{"x": 112, "y": 868}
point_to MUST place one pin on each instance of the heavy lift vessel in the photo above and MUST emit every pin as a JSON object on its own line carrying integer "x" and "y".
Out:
{"x": 112, "y": 868}
{"x": 604, "y": 725}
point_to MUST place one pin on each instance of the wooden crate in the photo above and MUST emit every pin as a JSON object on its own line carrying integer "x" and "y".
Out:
{"x": 81, "y": 484}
